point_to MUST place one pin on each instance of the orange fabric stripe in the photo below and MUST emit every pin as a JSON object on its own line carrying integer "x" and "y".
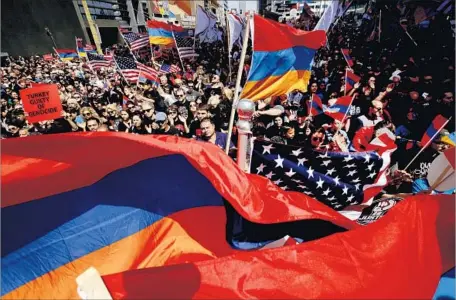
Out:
{"x": 179, "y": 238}
{"x": 276, "y": 85}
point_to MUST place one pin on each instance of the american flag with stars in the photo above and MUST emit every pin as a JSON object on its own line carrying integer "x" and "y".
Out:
{"x": 128, "y": 68}
{"x": 169, "y": 69}
{"x": 136, "y": 40}
{"x": 338, "y": 179}
{"x": 184, "y": 45}
{"x": 97, "y": 61}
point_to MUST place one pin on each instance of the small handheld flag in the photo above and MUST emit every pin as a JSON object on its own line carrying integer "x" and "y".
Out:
{"x": 350, "y": 80}
{"x": 348, "y": 59}
{"x": 437, "y": 124}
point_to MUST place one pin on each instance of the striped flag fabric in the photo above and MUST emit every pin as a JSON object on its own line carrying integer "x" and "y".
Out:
{"x": 290, "y": 49}
{"x": 437, "y": 124}
{"x": 66, "y": 54}
{"x": 136, "y": 40}
{"x": 97, "y": 61}
{"x": 169, "y": 68}
{"x": 337, "y": 110}
{"x": 109, "y": 55}
{"x": 348, "y": 59}
{"x": 148, "y": 78}
{"x": 184, "y": 45}
{"x": 350, "y": 80}
{"x": 150, "y": 71}
{"x": 337, "y": 179}
{"x": 128, "y": 68}
{"x": 315, "y": 106}
{"x": 150, "y": 238}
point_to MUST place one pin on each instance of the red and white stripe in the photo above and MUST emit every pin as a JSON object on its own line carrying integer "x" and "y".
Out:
{"x": 174, "y": 69}
{"x": 140, "y": 43}
{"x": 98, "y": 64}
{"x": 186, "y": 52}
{"x": 384, "y": 145}
{"x": 148, "y": 70}
{"x": 131, "y": 75}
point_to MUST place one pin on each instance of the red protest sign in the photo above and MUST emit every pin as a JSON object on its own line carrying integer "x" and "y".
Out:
{"x": 47, "y": 57}
{"x": 41, "y": 103}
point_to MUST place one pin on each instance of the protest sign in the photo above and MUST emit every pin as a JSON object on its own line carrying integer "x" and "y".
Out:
{"x": 41, "y": 103}
{"x": 48, "y": 57}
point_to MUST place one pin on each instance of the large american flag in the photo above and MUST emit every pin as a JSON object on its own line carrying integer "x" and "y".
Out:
{"x": 136, "y": 40}
{"x": 128, "y": 67}
{"x": 97, "y": 61}
{"x": 338, "y": 179}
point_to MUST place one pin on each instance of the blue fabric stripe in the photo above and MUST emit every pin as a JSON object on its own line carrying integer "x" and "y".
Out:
{"x": 155, "y": 32}
{"x": 44, "y": 234}
{"x": 350, "y": 81}
{"x": 431, "y": 131}
{"x": 342, "y": 108}
{"x": 67, "y": 55}
{"x": 276, "y": 63}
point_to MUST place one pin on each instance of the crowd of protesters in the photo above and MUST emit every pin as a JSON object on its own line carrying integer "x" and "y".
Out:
{"x": 403, "y": 87}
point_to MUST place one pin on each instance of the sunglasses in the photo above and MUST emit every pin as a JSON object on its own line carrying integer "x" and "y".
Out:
{"x": 147, "y": 110}
{"x": 87, "y": 114}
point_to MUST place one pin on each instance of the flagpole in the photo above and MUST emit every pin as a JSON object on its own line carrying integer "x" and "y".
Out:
{"x": 229, "y": 43}
{"x": 310, "y": 107}
{"x": 55, "y": 50}
{"x": 380, "y": 26}
{"x": 427, "y": 144}
{"x": 238, "y": 84}
{"x": 345, "y": 88}
{"x": 343, "y": 119}
{"x": 346, "y": 59}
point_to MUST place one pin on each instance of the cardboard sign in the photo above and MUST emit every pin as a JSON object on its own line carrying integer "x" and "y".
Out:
{"x": 48, "y": 57}
{"x": 41, "y": 103}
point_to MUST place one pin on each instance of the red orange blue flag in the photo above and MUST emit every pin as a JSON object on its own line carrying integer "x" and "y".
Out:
{"x": 400, "y": 256}
{"x": 338, "y": 110}
{"x": 110, "y": 211}
{"x": 348, "y": 59}
{"x": 350, "y": 80}
{"x": 437, "y": 124}
{"x": 161, "y": 33}
{"x": 282, "y": 59}
{"x": 152, "y": 237}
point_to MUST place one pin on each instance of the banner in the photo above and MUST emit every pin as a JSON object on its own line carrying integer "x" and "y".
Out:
{"x": 41, "y": 103}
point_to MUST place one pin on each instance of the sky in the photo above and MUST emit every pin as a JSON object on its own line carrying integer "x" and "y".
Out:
{"x": 243, "y": 4}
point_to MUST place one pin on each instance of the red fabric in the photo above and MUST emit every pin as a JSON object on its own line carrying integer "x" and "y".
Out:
{"x": 400, "y": 256}
{"x": 289, "y": 36}
{"x": 362, "y": 138}
{"x": 70, "y": 161}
